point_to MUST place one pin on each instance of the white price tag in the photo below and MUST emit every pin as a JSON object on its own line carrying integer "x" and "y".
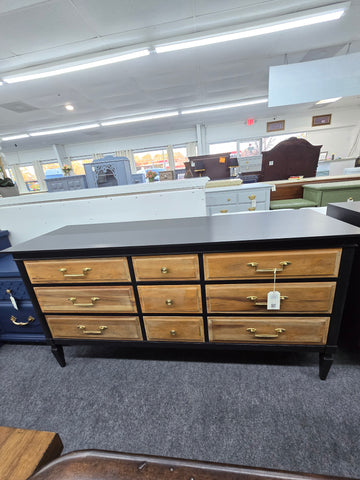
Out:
{"x": 13, "y": 301}
{"x": 253, "y": 203}
{"x": 273, "y": 300}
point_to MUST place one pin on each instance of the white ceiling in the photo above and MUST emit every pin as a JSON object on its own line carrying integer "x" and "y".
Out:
{"x": 35, "y": 33}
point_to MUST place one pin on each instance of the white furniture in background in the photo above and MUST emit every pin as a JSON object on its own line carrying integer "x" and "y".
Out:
{"x": 239, "y": 198}
{"x": 28, "y": 216}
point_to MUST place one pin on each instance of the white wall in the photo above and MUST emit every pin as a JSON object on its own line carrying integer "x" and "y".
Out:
{"x": 336, "y": 138}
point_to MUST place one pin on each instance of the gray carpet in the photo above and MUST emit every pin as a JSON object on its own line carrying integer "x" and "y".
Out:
{"x": 267, "y": 410}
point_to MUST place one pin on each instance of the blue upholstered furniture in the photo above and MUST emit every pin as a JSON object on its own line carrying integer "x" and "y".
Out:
{"x": 15, "y": 325}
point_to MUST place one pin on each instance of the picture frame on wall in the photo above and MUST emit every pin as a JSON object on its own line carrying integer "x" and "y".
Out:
{"x": 319, "y": 120}
{"x": 275, "y": 126}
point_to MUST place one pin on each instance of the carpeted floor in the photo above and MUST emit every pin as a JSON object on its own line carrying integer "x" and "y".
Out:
{"x": 266, "y": 410}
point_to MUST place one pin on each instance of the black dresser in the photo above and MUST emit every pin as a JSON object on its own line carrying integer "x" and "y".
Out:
{"x": 204, "y": 283}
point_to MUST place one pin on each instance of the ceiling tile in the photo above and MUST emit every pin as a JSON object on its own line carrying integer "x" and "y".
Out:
{"x": 43, "y": 26}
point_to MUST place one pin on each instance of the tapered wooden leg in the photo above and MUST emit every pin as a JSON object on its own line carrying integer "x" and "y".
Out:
{"x": 58, "y": 353}
{"x": 325, "y": 362}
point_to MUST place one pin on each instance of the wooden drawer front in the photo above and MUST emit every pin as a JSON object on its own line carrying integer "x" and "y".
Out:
{"x": 301, "y": 330}
{"x": 221, "y": 198}
{"x": 302, "y": 263}
{"x": 84, "y": 270}
{"x": 86, "y": 299}
{"x": 174, "y": 329}
{"x": 167, "y": 267}
{"x": 170, "y": 298}
{"x": 314, "y": 297}
{"x": 94, "y": 327}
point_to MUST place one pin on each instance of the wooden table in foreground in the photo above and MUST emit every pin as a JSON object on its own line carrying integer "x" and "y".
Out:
{"x": 23, "y": 452}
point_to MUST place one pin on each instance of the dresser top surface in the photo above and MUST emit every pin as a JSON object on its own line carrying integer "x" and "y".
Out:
{"x": 346, "y": 206}
{"x": 240, "y": 229}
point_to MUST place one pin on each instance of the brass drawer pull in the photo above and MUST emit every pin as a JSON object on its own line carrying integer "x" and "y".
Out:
{"x": 253, "y": 298}
{"x": 169, "y": 302}
{"x": 92, "y": 304}
{"x": 21, "y": 324}
{"x": 173, "y": 333}
{"x": 266, "y": 335}
{"x": 252, "y": 197}
{"x": 164, "y": 270}
{"x": 223, "y": 211}
{"x": 252, "y": 209}
{"x": 92, "y": 332}
{"x": 85, "y": 271}
{"x": 269, "y": 270}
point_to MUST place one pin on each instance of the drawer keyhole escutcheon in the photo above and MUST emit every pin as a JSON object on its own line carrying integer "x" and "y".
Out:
{"x": 173, "y": 333}
{"x": 164, "y": 270}
{"x": 73, "y": 275}
{"x": 92, "y": 332}
{"x": 21, "y": 324}
{"x": 253, "y": 298}
{"x": 269, "y": 270}
{"x": 169, "y": 302}
{"x": 266, "y": 335}
{"x": 92, "y": 304}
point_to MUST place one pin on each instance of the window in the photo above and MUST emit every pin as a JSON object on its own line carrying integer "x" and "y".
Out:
{"x": 31, "y": 182}
{"x": 223, "y": 147}
{"x": 78, "y": 165}
{"x": 249, "y": 148}
{"x": 270, "y": 142}
{"x": 180, "y": 157}
{"x": 157, "y": 159}
{"x": 49, "y": 166}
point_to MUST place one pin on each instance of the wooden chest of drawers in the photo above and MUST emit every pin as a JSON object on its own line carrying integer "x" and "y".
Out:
{"x": 200, "y": 282}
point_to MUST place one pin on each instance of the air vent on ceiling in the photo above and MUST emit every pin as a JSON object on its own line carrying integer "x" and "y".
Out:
{"x": 325, "y": 52}
{"x": 18, "y": 107}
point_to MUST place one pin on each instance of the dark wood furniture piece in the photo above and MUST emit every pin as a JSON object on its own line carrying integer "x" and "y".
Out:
{"x": 294, "y": 188}
{"x": 349, "y": 212}
{"x": 292, "y": 157}
{"x": 215, "y": 166}
{"x": 23, "y": 452}
{"x": 102, "y": 465}
{"x": 195, "y": 282}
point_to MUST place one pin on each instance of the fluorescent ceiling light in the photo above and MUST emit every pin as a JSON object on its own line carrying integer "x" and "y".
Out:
{"x": 15, "y": 137}
{"x": 77, "y": 67}
{"x": 65, "y": 130}
{"x": 139, "y": 119}
{"x": 224, "y": 106}
{"x": 328, "y": 100}
{"x": 326, "y": 14}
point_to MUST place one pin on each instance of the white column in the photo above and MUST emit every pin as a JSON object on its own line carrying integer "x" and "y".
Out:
{"x": 19, "y": 179}
{"x": 170, "y": 153}
{"x": 39, "y": 172}
{"x": 61, "y": 155}
{"x": 201, "y": 139}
